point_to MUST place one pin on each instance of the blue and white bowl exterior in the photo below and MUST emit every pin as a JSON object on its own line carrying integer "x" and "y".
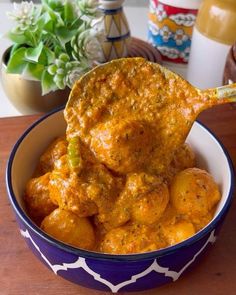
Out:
{"x": 113, "y": 274}
{"x": 106, "y": 272}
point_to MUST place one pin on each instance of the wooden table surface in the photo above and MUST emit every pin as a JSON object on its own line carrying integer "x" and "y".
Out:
{"x": 22, "y": 274}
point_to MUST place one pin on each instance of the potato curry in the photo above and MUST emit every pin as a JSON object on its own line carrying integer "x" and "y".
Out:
{"x": 114, "y": 184}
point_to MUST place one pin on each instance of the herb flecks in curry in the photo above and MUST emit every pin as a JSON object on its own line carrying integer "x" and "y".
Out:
{"x": 128, "y": 109}
{"x": 123, "y": 181}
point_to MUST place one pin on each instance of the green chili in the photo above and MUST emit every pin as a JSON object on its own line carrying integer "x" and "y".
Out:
{"x": 74, "y": 155}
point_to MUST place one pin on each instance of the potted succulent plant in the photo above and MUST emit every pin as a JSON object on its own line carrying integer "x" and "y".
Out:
{"x": 54, "y": 42}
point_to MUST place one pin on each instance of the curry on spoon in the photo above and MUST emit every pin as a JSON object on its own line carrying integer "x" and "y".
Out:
{"x": 134, "y": 114}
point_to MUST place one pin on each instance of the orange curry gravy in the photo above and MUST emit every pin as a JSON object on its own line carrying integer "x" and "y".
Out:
{"x": 115, "y": 184}
{"x": 129, "y": 109}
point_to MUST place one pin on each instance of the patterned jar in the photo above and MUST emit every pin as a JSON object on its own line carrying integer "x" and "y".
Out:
{"x": 170, "y": 27}
{"x": 213, "y": 35}
{"x": 116, "y": 29}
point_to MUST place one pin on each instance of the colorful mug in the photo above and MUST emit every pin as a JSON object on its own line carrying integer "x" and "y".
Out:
{"x": 170, "y": 27}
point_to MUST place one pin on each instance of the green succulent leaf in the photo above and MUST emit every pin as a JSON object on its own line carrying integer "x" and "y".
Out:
{"x": 61, "y": 72}
{"x": 31, "y": 38}
{"x": 48, "y": 40}
{"x": 60, "y": 83}
{"x": 57, "y": 50}
{"x": 49, "y": 26}
{"x": 14, "y": 48}
{"x": 64, "y": 57}
{"x": 65, "y": 34}
{"x": 52, "y": 8}
{"x": 69, "y": 12}
{"x": 47, "y": 83}
{"x": 43, "y": 21}
{"x": 53, "y": 4}
{"x": 50, "y": 55}
{"x": 37, "y": 11}
{"x": 43, "y": 59}
{"x": 18, "y": 38}
{"x": 33, "y": 70}
{"x": 52, "y": 69}
{"x": 33, "y": 54}
{"x": 76, "y": 23}
{"x": 17, "y": 62}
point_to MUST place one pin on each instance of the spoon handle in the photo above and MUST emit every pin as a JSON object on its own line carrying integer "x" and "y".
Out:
{"x": 215, "y": 96}
{"x": 227, "y": 92}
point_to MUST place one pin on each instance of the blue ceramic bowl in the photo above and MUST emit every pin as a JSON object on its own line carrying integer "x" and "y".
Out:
{"x": 104, "y": 271}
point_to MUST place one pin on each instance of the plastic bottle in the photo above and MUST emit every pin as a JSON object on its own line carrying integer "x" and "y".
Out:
{"x": 213, "y": 35}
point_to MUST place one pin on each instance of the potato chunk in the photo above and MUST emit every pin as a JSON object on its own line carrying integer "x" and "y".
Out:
{"x": 178, "y": 232}
{"x": 143, "y": 200}
{"x": 194, "y": 193}
{"x": 55, "y": 151}
{"x": 69, "y": 228}
{"x": 93, "y": 191}
{"x": 133, "y": 238}
{"x": 124, "y": 146}
{"x": 37, "y": 198}
{"x": 148, "y": 208}
{"x": 69, "y": 194}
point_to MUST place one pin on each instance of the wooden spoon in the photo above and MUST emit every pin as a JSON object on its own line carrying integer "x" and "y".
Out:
{"x": 134, "y": 114}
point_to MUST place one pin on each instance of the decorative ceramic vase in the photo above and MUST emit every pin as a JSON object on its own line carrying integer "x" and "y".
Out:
{"x": 170, "y": 27}
{"x": 116, "y": 29}
{"x": 26, "y": 95}
{"x": 213, "y": 35}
